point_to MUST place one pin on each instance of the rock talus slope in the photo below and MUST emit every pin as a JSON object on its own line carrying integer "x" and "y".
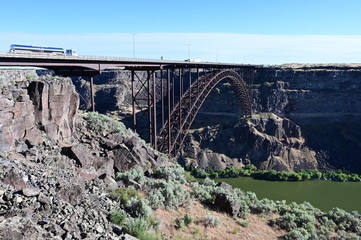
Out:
{"x": 55, "y": 165}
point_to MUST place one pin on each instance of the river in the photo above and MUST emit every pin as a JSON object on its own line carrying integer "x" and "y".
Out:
{"x": 324, "y": 195}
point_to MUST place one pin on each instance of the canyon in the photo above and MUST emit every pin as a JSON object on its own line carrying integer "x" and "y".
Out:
{"x": 59, "y": 164}
{"x": 305, "y": 116}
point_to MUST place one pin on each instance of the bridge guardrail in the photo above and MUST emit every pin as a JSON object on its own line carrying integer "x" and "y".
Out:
{"x": 84, "y": 57}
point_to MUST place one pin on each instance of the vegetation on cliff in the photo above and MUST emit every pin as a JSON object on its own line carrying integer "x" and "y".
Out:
{"x": 273, "y": 175}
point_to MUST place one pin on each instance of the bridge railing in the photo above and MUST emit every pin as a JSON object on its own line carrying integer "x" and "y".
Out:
{"x": 85, "y": 57}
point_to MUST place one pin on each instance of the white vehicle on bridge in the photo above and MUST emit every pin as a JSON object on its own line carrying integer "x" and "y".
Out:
{"x": 29, "y": 49}
{"x": 193, "y": 60}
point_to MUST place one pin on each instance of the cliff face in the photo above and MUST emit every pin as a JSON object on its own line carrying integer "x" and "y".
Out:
{"x": 265, "y": 140}
{"x": 307, "y": 93}
{"x": 31, "y": 108}
{"x": 323, "y": 102}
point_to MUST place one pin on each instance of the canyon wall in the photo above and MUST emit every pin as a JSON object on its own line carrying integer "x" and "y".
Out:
{"x": 321, "y": 101}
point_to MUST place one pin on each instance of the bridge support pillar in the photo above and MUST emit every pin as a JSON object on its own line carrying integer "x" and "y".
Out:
{"x": 92, "y": 94}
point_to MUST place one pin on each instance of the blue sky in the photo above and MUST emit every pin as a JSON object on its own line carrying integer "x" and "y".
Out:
{"x": 263, "y": 31}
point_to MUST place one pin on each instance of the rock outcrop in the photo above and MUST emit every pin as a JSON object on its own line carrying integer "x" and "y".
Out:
{"x": 55, "y": 168}
{"x": 31, "y": 108}
{"x": 265, "y": 140}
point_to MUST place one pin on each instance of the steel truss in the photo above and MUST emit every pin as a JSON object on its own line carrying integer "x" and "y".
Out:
{"x": 156, "y": 99}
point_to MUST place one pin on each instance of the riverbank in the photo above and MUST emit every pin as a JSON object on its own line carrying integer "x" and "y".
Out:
{"x": 273, "y": 175}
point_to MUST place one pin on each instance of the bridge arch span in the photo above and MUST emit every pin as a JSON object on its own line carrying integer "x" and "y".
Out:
{"x": 173, "y": 132}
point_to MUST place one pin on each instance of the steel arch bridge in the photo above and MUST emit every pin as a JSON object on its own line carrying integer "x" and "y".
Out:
{"x": 166, "y": 94}
{"x": 175, "y": 114}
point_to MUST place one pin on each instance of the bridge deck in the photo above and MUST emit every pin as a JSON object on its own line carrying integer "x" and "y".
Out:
{"x": 101, "y": 63}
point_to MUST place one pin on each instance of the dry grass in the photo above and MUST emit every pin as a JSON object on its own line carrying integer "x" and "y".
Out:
{"x": 253, "y": 227}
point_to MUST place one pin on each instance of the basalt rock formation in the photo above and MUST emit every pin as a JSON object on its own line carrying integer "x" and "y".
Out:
{"x": 54, "y": 168}
{"x": 31, "y": 108}
{"x": 265, "y": 140}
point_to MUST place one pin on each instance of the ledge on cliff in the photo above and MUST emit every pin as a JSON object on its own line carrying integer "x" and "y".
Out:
{"x": 265, "y": 140}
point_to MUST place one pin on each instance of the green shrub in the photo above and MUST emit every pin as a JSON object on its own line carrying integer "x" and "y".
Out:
{"x": 297, "y": 234}
{"x": 139, "y": 208}
{"x": 166, "y": 193}
{"x": 189, "y": 178}
{"x": 264, "y": 207}
{"x": 297, "y": 216}
{"x": 136, "y": 227}
{"x": 104, "y": 124}
{"x": 136, "y": 174}
{"x": 31, "y": 77}
{"x": 150, "y": 235}
{"x": 156, "y": 198}
{"x": 123, "y": 194}
{"x": 244, "y": 210}
{"x": 345, "y": 221}
{"x": 188, "y": 219}
{"x": 211, "y": 221}
{"x": 273, "y": 175}
{"x": 243, "y": 223}
{"x": 153, "y": 222}
{"x": 179, "y": 223}
{"x": 235, "y": 230}
{"x": 202, "y": 192}
{"x": 172, "y": 173}
{"x": 118, "y": 217}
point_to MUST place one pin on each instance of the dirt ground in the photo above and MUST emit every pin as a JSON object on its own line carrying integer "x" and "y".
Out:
{"x": 251, "y": 228}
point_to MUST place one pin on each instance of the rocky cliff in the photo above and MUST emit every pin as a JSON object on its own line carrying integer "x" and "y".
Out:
{"x": 56, "y": 164}
{"x": 265, "y": 140}
{"x": 31, "y": 108}
{"x": 321, "y": 101}
{"x": 324, "y": 100}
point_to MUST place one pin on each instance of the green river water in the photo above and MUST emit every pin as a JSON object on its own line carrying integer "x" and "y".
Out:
{"x": 322, "y": 194}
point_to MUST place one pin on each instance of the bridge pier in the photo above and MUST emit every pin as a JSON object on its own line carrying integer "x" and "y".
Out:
{"x": 92, "y": 94}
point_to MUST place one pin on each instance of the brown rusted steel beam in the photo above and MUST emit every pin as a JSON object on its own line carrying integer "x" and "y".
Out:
{"x": 168, "y": 110}
{"x": 173, "y": 89}
{"x": 92, "y": 93}
{"x": 162, "y": 95}
{"x": 149, "y": 99}
{"x": 154, "y": 135}
{"x": 190, "y": 86}
{"x": 179, "y": 102}
{"x": 133, "y": 105}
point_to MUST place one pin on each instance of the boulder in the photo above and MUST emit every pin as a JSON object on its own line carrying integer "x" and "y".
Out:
{"x": 226, "y": 204}
{"x": 16, "y": 179}
{"x": 31, "y": 191}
